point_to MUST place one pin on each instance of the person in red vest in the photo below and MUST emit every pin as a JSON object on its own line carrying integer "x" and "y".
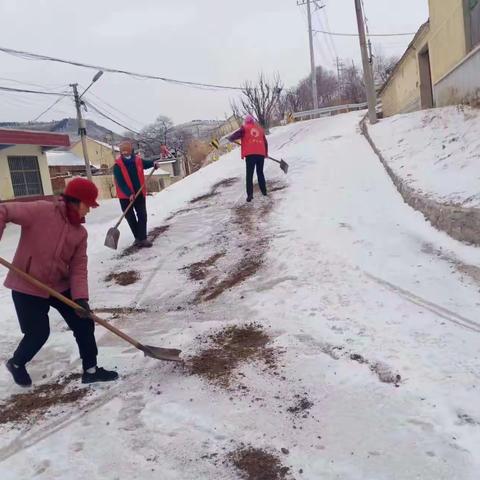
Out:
{"x": 129, "y": 178}
{"x": 254, "y": 151}
{"x": 164, "y": 151}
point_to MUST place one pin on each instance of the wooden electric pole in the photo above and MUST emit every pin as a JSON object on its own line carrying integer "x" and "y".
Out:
{"x": 367, "y": 66}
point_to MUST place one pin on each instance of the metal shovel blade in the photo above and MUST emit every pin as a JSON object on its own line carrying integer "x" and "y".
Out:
{"x": 111, "y": 240}
{"x": 284, "y": 166}
{"x": 166, "y": 354}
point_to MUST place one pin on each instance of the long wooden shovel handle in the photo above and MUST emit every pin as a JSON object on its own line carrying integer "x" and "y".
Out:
{"x": 133, "y": 201}
{"x": 271, "y": 158}
{"x": 69, "y": 302}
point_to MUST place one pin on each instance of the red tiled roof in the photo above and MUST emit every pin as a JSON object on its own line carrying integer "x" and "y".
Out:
{"x": 27, "y": 137}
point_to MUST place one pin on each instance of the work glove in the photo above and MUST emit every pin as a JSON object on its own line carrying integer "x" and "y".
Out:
{"x": 156, "y": 165}
{"x": 85, "y": 311}
{"x": 132, "y": 197}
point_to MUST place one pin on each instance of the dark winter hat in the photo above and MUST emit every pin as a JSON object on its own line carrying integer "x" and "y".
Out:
{"x": 83, "y": 190}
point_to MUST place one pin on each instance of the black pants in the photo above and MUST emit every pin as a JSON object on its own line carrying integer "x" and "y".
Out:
{"x": 32, "y": 315}
{"x": 136, "y": 216}
{"x": 252, "y": 162}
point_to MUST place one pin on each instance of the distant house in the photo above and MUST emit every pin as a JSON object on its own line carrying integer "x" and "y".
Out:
{"x": 230, "y": 125}
{"x": 100, "y": 154}
{"x": 64, "y": 162}
{"x": 159, "y": 180}
{"x": 23, "y": 162}
{"x": 441, "y": 66}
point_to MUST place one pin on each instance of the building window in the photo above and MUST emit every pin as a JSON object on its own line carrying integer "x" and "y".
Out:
{"x": 474, "y": 22}
{"x": 25, "y": 175}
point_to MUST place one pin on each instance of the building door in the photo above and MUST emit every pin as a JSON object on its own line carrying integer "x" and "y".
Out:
{"x": 25, "y": 175}
{"x": 474, "y": 22}
{"x": 426, "y": 88}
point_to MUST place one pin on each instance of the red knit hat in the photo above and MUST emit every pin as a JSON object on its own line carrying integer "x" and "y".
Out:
{"x": 83, "y": 190}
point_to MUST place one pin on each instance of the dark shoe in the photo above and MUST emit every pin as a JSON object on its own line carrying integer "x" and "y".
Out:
{"x": 100, "y": 375}
{"x": 265, "y": 194}
{"x": 145, "y": 243}
{"x": 249, "y": 199}
{"x": 19, "y": 374}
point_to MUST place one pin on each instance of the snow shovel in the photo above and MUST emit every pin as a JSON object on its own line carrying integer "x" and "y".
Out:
{"x": 167, "y": 354}
{"x": 113, "y": 234}
{"x": 283, "y": 164}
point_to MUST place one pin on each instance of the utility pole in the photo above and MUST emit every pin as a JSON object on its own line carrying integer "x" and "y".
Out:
{"x": 340, "y": 76}
{"x": 367, "y": 66}
{"x": 109, "y": 139}
{"x": 82, "y": 126}
{"x": 82, "y": 129}
{"x": 312, "y": 54}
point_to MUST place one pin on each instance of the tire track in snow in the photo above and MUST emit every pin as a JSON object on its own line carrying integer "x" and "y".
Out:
{"x": 442, "y": 312}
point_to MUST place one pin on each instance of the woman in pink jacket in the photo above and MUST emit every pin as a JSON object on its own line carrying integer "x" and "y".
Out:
{"x": 53, "y": 249}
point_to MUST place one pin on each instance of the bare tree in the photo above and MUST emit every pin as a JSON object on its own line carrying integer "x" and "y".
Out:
{"x": 153, "y": 135}
{"x": 353, "y": 86}
{"x": 382, "y": 67}
{"x": 260, "y": 99}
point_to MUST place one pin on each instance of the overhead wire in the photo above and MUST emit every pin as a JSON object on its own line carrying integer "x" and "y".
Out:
{"x": 330, "y": 39}
{"x": 99, "y": 99}
{"x": 108, "y": 117}
{"x": 337, "y": 34}
{"x": 39, "y": 92}
{"x": 34, "y": 56}
{"x": 56, "y": 102}
{"x": 29, "y": 84}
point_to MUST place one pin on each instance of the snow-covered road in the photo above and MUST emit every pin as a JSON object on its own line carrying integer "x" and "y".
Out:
{"x": 372, "y": 368}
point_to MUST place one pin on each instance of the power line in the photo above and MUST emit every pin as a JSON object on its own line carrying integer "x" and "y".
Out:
{"x": 20, "y": 90}
{"x": 114, "y": 108}
{"x": 34, "y": 56}
{"x": 104, "y": 115}
{"x": 58, "y": 100}
{"x": 19, "y": 82}
{"x": 371, "y": 34}
{"x": 330, "y": 46}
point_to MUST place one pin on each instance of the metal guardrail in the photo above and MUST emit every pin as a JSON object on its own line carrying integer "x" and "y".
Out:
{"x": 329, "y": 110}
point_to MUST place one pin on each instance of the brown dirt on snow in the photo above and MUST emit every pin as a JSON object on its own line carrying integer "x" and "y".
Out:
{"x": 302, "y": 406}
{"x": 253, "y": 252}
{"x": 123, "y": 278}
{"x": 120, "y": 310}
{"x": 199, "y": 270}
{"x": 28, "y": 407}
{"x": 185, "y": 210}
{"x": 152, "y": 236}
{"x": 276, "y": 186}
{"x": 258, "y": 464}
{"x": 228, "y": 348}
{"x": 227, "y": 182}
{"x": 244, "y": 269}
{"x": 206, "y": 196}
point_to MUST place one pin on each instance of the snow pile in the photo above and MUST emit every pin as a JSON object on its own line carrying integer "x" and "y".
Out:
{"x": 436, "y": 152}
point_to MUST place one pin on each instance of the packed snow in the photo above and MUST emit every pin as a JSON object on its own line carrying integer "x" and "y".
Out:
{"x": 436, "y": 152}
{"x": 371, "y": 315}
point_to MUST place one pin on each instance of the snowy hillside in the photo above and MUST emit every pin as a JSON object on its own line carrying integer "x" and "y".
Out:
{"x": 437, "y": 152}
{"x": 328, "y": 332}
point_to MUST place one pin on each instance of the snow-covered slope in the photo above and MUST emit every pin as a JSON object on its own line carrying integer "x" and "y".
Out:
{"x": 436, "y": 152}
{"x": 363, "y": 357}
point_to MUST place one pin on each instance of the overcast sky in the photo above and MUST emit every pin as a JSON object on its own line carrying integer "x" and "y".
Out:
{"x": 213, "y": 41}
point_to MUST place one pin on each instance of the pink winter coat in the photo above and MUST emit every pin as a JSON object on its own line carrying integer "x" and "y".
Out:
{"x": 51, "y": 249}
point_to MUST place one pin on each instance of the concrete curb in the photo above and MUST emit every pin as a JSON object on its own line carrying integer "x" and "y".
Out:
{"x": 460, "y": 223}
